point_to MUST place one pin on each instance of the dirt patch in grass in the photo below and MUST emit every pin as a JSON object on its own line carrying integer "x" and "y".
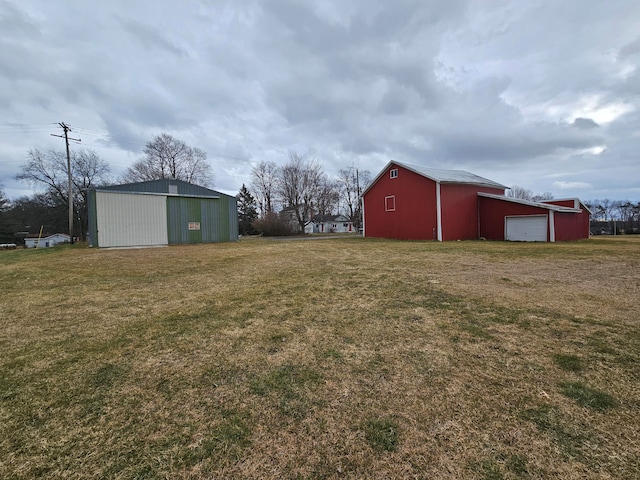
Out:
{"x": 346, "y": 358}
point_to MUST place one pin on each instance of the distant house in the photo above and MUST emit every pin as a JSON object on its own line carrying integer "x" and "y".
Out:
{"x": 288, "y": 215}
{"x": 410, "y": 202}
{"x": 329, "y": 224}
{"x": 32, "y": 240}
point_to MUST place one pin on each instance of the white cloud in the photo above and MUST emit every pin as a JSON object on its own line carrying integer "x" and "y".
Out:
{"x": 561, "y": 185}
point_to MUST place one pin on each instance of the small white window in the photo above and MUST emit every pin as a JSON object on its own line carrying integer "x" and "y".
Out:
{"x": 390, "y": 203}
{"x": 393, "y": 173}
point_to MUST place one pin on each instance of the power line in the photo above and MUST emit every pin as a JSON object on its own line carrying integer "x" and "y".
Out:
{"x": 66, "y": 130}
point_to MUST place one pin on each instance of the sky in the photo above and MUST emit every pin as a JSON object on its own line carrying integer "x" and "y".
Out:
{"x": 543, "y": 94}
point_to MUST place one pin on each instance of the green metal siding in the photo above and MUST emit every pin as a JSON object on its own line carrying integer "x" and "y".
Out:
{"x": 234, "y": 233}
{"x": 92, "y": 226}
{"x": 180, "y": 212}
{"x": 213, "y": 214}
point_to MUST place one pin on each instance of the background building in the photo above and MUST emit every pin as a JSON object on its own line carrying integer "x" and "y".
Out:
{"x": 415, "y": 203}
{"x": 160, "y": 212}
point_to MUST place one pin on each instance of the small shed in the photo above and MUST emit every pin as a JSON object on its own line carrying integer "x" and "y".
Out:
{"x": 36, "y": 241}
{"x": 160, "y": 212}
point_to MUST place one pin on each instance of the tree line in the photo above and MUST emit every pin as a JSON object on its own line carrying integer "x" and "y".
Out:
{"x": 46, "y": 171}
{"x": 614, "y": 216}
{"x": 282, "y": 199}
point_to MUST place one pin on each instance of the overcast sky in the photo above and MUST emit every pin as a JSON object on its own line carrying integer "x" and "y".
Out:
{"x": 541, "y": 94}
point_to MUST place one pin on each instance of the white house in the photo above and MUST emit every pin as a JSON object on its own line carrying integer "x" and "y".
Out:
{"x": 32, "y": 241}
{"x": 329, "y": 224}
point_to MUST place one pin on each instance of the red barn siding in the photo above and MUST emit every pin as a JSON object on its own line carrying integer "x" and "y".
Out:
{"x": 578, "y": 227}
{"x": 571, "y": 226}
{"x": 569, "y": 203}
{"x": 414, "y": 217}
{"x": 493, "y": 211}
{"x": 459, "y": 206}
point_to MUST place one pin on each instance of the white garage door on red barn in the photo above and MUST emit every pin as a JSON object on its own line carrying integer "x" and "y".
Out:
{"x": 526, "y": 228}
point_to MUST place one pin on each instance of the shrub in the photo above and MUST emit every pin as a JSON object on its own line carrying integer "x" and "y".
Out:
{"x": 271, "y": 225}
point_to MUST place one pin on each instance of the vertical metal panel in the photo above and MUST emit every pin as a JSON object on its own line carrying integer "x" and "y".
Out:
{"x": 130, "y": 220}
{"x": 92, "y": 226}
{"x": 181, "y": 211}
{"x": 214, "y": 220}
{"x": 460, "y": 210}
{"x": 217, "y": 224}
{"x": 234, "y": 230}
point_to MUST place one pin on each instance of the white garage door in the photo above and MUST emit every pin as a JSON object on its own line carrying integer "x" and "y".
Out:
{"x": 126, "y": 219}
{"x": 530, "y": 228}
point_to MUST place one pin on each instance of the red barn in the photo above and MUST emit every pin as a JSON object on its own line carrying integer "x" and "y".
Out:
{"x": 409, "y": 202}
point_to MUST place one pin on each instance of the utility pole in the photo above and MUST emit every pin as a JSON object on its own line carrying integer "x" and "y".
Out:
{"x": 66, "y": 130}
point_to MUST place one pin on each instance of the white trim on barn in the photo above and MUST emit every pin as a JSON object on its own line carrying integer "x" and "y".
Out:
{"x": 438, "y": 211}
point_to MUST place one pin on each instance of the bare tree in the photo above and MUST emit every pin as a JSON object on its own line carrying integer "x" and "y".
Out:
{"x": 4, "y": 201}
{"x": 539, "y": 197}
{"x": 264, "y": 177}
{"x": 299, "y": 185}
{"x": 328, "y": 197}
{"x": 352, "y": 182}
{"x": 605, "y": 209}
{"x": 520, "y": 192}
{"x": 48, "y": 170}
{"x": 167, "y": 157}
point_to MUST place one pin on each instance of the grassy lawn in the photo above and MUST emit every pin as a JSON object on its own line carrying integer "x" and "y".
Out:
{"x": 340, "y": 358}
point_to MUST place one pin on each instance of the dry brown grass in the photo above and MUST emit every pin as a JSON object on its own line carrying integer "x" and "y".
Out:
{"x": 339, "y": 358}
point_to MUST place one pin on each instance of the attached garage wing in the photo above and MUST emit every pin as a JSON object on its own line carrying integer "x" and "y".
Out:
{"x": 526, "y": 228}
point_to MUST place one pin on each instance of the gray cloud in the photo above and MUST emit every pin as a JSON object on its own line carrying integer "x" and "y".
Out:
{"x": 512, "y": 91}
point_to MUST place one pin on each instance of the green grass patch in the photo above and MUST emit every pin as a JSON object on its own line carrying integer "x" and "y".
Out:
{"x": 588, "y": 397}
{"x": 573, "y": 441}
{"x": 568, "y": 362}
{"x": 381, "y": 434}
{"x": 292, "y": 387}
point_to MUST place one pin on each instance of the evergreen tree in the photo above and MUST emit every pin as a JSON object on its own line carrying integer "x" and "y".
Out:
{"x": 247, "y": 211}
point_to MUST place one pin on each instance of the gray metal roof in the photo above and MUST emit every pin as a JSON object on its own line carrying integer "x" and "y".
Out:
{"x": 450, "y": 176}
{"x": 441, "y": 176}
{"x": 162, "y": 186}
{"x": 546, "y": 206}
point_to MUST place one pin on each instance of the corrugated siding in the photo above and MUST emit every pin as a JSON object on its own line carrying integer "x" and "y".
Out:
{"x": 180, "y": 212}
{"x": 460, "y": 210}
{"x": 218, "y": 219}
{"x": 92, "y": 226}
{"x": 232, "y": 203}
{"x": 130, "y": 220}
